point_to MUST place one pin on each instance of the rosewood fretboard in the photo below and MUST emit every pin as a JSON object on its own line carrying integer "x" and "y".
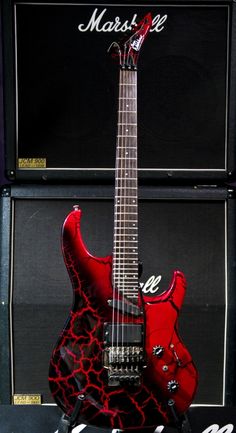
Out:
{"x": 125, "y": 249}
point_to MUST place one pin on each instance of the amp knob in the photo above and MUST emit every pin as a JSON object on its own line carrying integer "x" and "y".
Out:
{"x": 158, "y": 351}
{"x": 172, "y": 386}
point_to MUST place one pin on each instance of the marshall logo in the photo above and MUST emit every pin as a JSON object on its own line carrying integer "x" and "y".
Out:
{"x": 214, "y": 428}
{"x": 97, "y": 24}
{"x": 151, "y": 285}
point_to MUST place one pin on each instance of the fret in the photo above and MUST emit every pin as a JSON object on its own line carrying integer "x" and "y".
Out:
{"x": 127, "y": 111}
{"x": 126, "y": 97}
{"x": 129, "y": 229}
{"x": 128, "y": 84}
{"x": 117, "y": 235}
{"x": 126, "y": 284}
{"x": 127, "y": 147}
{"x": 129, "y": 124}
{"x": 129, "y": 178}
{"x": 127, "y": 292}
{"x": 127, "y": 276}
{"x": 125, "y": 196}
{"x": 126, "y": 269}
{"x": 127, "y": 187}
{"x": 126, "y": 204}
{"x": 130, "y": 253}
{"x": 129, "y": 221}
{"x": 132, "y": 136}
{"x": 121, "y": 243}
{"x": 125, "y": 159}
{"x": 119, "y": 239}
{"x": 132, "y": 221}
{"x": 127, "y": 213}
{"x": 130, "y": 200}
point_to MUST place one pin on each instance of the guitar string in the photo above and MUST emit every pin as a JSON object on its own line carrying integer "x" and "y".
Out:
{"x": 121, "y": 219}
{"x": 130, "y": 192}
{"x": 125, "y": 199}
{"x": 130, "y": 199}
{"x": 134, "y": 175}
{"x": 122, "y": 201}
{"x": 120, "y": 187}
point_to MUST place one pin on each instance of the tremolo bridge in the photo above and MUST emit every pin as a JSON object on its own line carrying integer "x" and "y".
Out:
{"x": 124, "y": 353}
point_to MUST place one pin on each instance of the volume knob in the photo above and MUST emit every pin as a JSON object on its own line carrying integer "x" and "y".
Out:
{"x": 158, "y": 351}
{"x": 172, "y": 386}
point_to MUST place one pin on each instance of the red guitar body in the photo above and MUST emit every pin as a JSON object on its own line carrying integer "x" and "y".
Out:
{"x": 169, "y": 379}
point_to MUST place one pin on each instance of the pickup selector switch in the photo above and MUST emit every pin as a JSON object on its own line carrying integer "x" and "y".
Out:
{"x": 158, "y": 351}
{"x": 172, "y": 386}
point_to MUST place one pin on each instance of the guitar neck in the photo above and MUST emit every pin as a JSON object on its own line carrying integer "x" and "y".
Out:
{"x": 125, "y": 249}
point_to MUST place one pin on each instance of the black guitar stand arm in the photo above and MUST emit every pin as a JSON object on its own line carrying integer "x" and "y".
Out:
{"x": 181, "y": 423}
{"x": 67, "y": 423}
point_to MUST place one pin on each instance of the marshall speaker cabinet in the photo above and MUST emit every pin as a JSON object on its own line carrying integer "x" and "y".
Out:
{"x": 191, "y": 229}
{"x": 61, "y": 89}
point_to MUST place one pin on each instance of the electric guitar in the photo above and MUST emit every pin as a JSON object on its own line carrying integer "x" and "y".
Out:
{"x": 120, "y": 354}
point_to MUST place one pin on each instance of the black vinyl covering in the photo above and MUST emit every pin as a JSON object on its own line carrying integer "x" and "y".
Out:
{"x": 63, "y": 109}
{"x": 188, "y": 229}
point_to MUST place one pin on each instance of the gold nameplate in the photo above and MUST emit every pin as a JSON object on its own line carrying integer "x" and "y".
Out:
{"x": 32, "y": 163}
{"x": 26, "y": 399}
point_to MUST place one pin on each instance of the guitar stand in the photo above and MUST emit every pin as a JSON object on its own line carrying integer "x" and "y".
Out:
{"x": 68, "y": 424}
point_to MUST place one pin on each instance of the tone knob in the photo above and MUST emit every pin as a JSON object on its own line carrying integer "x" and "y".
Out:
{"x": 158, "y": 351}
{"x": 172, "y": 386}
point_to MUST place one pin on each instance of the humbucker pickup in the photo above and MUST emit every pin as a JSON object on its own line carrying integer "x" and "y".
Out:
{"x": 123, "y": 333}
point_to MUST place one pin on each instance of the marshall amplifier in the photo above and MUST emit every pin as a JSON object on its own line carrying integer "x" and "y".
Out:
{"x": 61, "y": 90}
{"x": 191, "y": 229}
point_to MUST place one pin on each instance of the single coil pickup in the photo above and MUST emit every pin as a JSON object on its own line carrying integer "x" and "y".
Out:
{"x": 116, "y": 334}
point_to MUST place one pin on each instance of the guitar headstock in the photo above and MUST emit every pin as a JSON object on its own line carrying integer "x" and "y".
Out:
{"x": 128, "y": 50}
